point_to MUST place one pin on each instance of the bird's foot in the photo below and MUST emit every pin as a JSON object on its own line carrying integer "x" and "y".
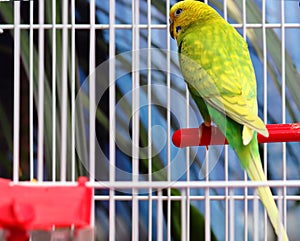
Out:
{"x": 205, "y": 130}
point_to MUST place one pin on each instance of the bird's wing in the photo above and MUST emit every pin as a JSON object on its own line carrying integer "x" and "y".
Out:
{"x": 222, "y": 77}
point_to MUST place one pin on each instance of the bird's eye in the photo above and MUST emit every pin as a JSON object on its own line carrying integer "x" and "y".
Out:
{"x": 178, "y": 12}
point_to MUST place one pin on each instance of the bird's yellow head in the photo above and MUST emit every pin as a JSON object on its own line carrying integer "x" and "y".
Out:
{"x": 184, "y": 13}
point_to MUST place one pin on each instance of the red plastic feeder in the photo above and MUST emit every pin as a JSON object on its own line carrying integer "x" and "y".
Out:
{"x": 26, "y": 207}
{"x": 205, "y": 136}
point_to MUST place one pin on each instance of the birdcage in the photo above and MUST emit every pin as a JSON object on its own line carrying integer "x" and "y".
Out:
{"x": 93, "y": 89}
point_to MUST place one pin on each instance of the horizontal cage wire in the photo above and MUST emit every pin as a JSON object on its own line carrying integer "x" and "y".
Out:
{"x": 94, "y": 88}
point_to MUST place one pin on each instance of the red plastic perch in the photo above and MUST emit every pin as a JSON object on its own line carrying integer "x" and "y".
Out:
{"x": 205, "y": 136}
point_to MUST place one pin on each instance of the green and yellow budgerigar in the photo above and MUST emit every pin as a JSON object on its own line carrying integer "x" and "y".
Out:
{"x": 217, "y": 68}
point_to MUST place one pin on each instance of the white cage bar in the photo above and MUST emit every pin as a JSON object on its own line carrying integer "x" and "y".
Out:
{"x": 66, "y": 50}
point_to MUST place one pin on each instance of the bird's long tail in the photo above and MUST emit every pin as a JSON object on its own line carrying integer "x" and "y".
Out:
{"x": 255, "y": 172}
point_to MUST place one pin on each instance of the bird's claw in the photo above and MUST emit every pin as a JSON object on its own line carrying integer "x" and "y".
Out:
{"x": 205, "y": 129}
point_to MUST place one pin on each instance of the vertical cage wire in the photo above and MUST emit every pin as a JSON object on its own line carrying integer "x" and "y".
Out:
{"x": 31, "y": 98}
{"x": 265, "y": 110}
{"x": 64, "y": 88}
{"x": 149, "y": 101}
{"x": 41, "y": 109}
{"x": 158, "y": 200}
{"x": 17, "y": 108}
{"x": 207, "y": 199}
{"x": 112, "y": 123}
{"x": 159, "y": 215}
{"x": 226, "y": 228}
{"x": 73, "y": 91}
{"x": 244, "y": 22}
{"x": 168, "y": 132}
{"x": 135, "y": 115}
{"x": 231, "y": 234}
{"x": 92, "y": 90}
{"x": 92, "y": 99}
{"x": 54, "y": 161}
{"x": 283, "y": 94}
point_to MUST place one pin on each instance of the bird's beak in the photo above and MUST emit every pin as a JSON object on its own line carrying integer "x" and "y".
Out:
{"x": 171, "y": 28}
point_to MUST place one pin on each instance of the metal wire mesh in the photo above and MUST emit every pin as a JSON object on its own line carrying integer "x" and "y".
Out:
{"x": 96, "y": 84}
